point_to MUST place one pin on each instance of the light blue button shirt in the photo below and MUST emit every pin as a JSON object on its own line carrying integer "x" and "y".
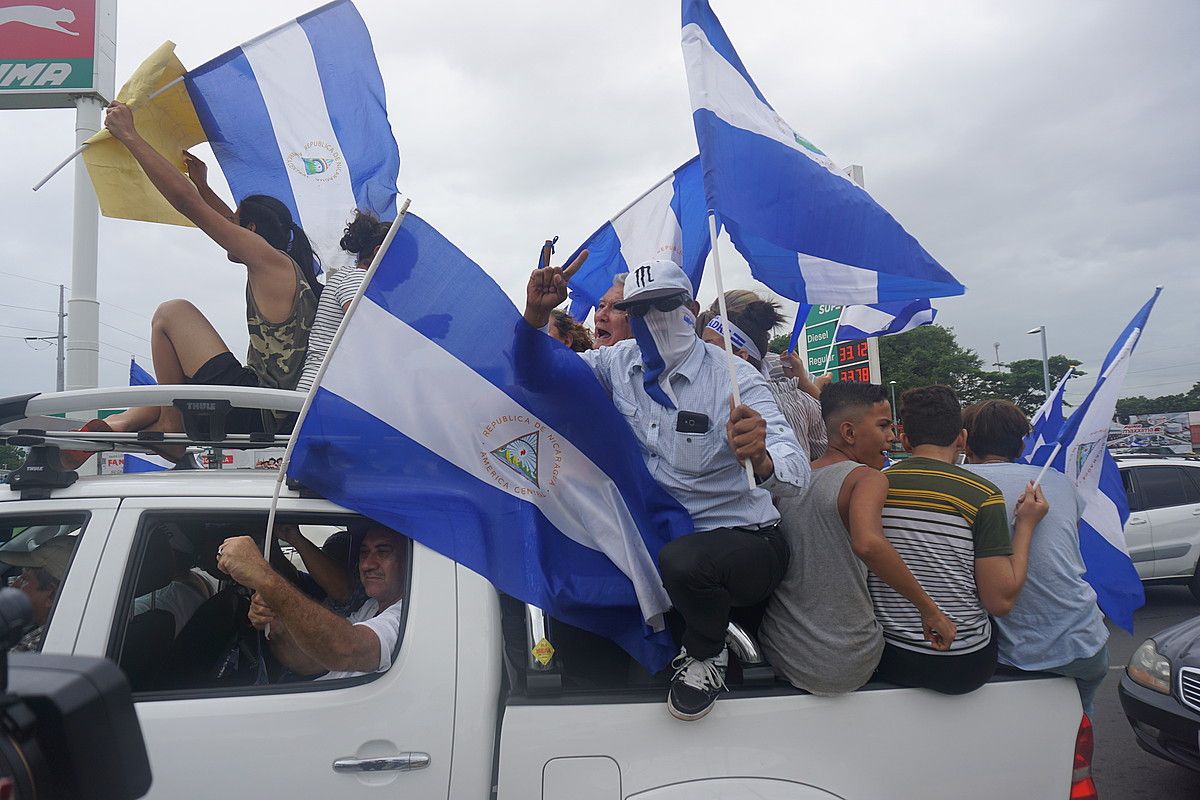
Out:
{"x": 699, "y": 469}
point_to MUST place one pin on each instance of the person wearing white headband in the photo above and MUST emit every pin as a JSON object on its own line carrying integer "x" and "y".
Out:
{"x": 674, "y": 392}
{"x": 751, "y": 320}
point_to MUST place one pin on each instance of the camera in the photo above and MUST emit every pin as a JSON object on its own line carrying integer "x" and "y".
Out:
{"x": 67, "y": 724}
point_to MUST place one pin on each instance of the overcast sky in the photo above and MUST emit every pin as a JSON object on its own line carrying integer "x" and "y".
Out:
{"x": 1044, "y": 153}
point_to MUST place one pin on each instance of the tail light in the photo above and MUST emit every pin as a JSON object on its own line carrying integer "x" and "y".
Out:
{"x": 1082, "y": 785}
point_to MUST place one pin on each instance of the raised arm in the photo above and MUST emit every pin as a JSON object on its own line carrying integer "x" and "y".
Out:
{"x": 861, "y": 506}
{"x": 245, "y": 245}
{"x": 1000, "y": 579}
{"x": 197, "y": 172}
{"x": 333, "y": 578}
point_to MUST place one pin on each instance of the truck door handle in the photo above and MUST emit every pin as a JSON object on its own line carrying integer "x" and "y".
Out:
{"x": 1137, "y": 520}
{"x": 404, "y": 762}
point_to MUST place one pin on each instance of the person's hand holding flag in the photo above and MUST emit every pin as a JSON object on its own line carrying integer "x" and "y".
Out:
{"x": 547, "y": 288}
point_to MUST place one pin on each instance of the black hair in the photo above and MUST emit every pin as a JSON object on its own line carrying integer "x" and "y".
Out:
{"x": 757, "y": 319}
{"x": 273, "y": 221}
{"x": 838, "y": 398}
{"x": 363, "y": 234}
{"x": 995, "y": 428}
{"x": 931, "y": 415}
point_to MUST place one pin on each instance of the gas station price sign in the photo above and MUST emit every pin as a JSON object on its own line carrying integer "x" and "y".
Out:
{"x": 855, "y": 360}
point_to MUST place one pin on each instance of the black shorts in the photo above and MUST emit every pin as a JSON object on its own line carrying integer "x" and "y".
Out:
{"x": 225, "y": 370}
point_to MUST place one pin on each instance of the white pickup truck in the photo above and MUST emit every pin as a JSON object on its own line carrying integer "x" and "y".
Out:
{"x": 465, "y": 711}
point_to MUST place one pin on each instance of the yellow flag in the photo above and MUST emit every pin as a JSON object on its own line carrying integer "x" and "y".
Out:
{"x": 168, "y": 123}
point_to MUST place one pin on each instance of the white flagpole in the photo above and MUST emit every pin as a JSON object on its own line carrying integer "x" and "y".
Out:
{"x": 84, "y": 146}
{"x": 1057, "y": 445}
{"x": 833, "y": 340}
{"x": 312, "y": 391}
{"x": 730, "y": 357}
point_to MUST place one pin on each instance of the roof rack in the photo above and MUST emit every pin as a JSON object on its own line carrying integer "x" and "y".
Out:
{"x": 22, "y": 407}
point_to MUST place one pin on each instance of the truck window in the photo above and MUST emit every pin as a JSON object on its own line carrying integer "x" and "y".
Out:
{"x": 185, "y": 626}
{"x": 35, "y": 556}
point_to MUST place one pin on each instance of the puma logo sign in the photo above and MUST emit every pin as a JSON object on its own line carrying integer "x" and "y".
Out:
{"x": 642, "y": 276}
{"x": 50, "y": 19}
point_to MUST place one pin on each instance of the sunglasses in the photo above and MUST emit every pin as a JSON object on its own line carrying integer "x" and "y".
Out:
{"x": 642, "y": 308}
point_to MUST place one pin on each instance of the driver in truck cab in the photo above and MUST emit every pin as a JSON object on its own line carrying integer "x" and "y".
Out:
{"x": 308, "y": 638}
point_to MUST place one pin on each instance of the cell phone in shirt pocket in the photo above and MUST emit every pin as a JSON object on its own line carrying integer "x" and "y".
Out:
{"x": 691, "y": 422}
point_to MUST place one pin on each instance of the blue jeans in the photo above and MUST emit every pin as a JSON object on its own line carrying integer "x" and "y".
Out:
{"x": 1088, "y": 674}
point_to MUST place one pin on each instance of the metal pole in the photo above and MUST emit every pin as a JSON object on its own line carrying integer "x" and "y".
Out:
{"x": 83, "y": 319}
{"x": 1045, "y": 363}
{"x": 62, "y": 357}
{"x": 895, "y": 419}
{"x": 997, "y": 363}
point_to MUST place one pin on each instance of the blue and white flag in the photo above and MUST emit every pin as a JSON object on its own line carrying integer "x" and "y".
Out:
{"x": 299, "y": 114}
{"x": 667, "y": 222}
{"x": 1048, "y": 421}
{"x": 138, "y": 376}
{"x": 528, "y": 476}
{"x": 798, "y": 327}
{"x": 883, "y": 319}
{"x": 1084, "y": 458}
{"x": 807, "y": 230}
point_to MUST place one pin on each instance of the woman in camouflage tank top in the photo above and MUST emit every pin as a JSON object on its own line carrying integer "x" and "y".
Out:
{"x": 281, "y": 295}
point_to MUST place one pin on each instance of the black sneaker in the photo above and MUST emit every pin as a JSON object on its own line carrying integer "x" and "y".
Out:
{"x": 696, "y": 684}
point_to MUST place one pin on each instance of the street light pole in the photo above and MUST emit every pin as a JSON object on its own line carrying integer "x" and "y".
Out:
{"x": 895, "y": 421}
{"x": 1045, "y": 357}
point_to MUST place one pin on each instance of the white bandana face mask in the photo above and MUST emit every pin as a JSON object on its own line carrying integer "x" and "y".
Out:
{"x": 665, "y": 339}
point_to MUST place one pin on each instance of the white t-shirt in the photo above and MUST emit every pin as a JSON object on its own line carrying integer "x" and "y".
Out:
{"x": 386, "y": 625}
{"x": 181, "y": 598}
{"x": 339, "y": 291}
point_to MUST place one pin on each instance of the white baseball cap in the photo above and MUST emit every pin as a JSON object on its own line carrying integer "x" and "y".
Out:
{"x": 652, "y": 280}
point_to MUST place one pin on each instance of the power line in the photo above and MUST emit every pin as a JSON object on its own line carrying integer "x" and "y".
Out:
{"x": 35, "y": 280}
{"x": 28, "y": 308}
{"x": 127, "y": 333}
{"x": 29, "y": 330}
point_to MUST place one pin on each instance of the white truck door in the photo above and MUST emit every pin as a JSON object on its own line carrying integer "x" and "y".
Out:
{"x": 389, "y": 737}
{"x": 1172, "y": 502}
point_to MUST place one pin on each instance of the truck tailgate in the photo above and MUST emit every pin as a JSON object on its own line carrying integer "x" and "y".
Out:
{"x": 1013, "y": 738}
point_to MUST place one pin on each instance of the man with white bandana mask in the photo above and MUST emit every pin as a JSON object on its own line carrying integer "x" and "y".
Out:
{"x": 674, "y": 392}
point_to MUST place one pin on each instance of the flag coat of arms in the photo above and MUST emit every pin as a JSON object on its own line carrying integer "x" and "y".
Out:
{"x": 299, "y": 113}
{"x": 527, "y": 475}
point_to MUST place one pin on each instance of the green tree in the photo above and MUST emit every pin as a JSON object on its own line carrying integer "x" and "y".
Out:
{"x": 1024, "y": 381}
{"x": 779, "y": 343}
{"x": 932, "y": 354}
{"x": 11, "y": 457}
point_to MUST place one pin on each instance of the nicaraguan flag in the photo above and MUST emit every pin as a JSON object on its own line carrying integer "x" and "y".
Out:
{"x": 883, "y": 319}
{"x": 139, "y": 376}
{"x": 536, "y": 484}
{"x": 299, "y": 114}
{"x": 808, "y": 231}
{"x": 668, "y": 222}
{"x": 1084, "y": 458}
{"x": 1048, "y": 421}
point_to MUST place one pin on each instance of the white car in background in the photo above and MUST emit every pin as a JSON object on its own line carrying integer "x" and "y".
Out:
{"x": 1163, "y": 531}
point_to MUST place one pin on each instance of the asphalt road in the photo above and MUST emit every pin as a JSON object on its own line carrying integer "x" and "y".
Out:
{"x": 1122, "y": 769}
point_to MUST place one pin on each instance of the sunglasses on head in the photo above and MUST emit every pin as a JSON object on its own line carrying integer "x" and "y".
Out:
{"x": 661, "y": 304}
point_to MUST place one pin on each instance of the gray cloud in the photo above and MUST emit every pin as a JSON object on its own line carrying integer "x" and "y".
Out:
{"x": 1044, "y": 153}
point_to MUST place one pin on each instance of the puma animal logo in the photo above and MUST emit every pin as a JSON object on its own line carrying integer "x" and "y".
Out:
{"x": 51, "y": 19}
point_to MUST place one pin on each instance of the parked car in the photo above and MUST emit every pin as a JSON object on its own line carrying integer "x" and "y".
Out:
{"x": 1163, "y": 531}
{"x": 474, "y": 705}
{"x": 1160, "y": 693}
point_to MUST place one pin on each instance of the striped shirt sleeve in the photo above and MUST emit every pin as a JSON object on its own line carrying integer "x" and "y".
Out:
{"x": 992, "y": 537}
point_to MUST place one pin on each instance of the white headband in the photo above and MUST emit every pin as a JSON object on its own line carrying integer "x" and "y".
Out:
{"x": 737, "y": 337}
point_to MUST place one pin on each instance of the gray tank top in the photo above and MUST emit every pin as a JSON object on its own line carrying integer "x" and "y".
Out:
{"x": 819, "y": 630}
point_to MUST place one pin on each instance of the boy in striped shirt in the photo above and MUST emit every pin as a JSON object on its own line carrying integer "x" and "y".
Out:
{"x": 950, "y": 527}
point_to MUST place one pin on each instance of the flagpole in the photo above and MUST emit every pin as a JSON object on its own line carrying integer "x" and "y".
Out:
{"x": 833, "y": 339}
{"x": 75, "y": 154}
{"x": 729, "y": 356}
{"x": 312, "y": 390}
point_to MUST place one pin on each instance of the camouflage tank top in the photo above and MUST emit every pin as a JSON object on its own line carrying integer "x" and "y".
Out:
{"x": 277, "y": 349}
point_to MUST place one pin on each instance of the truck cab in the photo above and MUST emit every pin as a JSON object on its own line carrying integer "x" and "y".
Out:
{"x": 473, "y": 706}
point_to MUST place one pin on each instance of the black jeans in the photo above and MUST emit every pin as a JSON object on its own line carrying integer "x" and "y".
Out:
{"x": 942, "y": 673}
{"x": 707, "y": 574}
